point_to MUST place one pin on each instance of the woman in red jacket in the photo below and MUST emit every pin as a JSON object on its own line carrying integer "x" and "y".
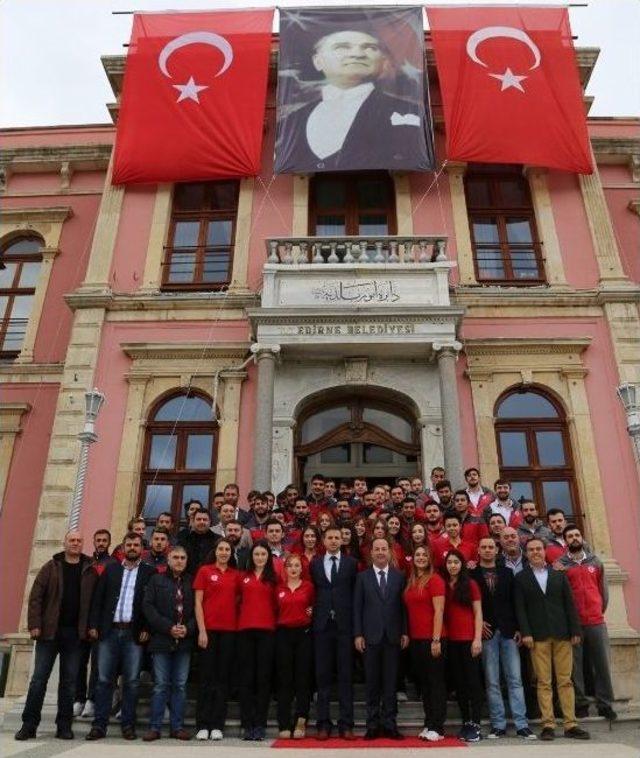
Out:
{"x": 308, "y": 547}
{"x": 463, "y": 619}
{"x": 294, "y": 649}
{"x": 256, "y": 639}
{"x": 216, "y": 608}
{"x": 394, "y": 528}
{"x": 424, "y": 601}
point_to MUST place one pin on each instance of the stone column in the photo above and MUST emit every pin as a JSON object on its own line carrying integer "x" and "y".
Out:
{"x": 451, "y": 436}
{"x": 263, "y": 435}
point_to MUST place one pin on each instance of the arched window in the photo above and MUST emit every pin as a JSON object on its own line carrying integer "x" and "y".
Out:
{"x": 535, "y": 452}
{"x": 20, "y": 262}
{"x": 179, "y": 455}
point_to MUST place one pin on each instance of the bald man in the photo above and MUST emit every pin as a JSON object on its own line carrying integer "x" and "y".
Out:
{"x": 57, "y": 619}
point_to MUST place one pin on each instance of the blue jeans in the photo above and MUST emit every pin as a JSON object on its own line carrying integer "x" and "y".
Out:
{"x": 170, "y": 672}
{"x": 66, "y": 644}
{"x": 117, "y": 652}
{"x": 501, "y": 654}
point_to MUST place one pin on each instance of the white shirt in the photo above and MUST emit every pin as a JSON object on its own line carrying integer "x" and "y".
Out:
{"x": 475, "y": 495}
{"x": 384, "y": 571}
{"x": 541, "y": 575}
{"x": 328, "y": 563}
{"x": 329, "y": 122}
{"x": 124, "y": 606}
{"x": 504, "y": 510}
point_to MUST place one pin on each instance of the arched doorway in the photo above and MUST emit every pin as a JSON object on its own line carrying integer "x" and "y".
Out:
{"x": 343, "y": 435}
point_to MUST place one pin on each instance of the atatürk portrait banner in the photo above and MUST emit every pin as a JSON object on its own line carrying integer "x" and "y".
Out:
{"x": 352, "y": 91}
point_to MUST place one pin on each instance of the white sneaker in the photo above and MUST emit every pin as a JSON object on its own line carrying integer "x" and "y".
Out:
{"x": 202, "y": 734}
{"x": 401, "y": 696}
{"x": 424, "y": 734}
{"x": 77, "y": 709}
{"x": 88, "y": 712}
{"x": 118, "y": 715}
{"x": 215, "y": 735}
{"x": 434, "y": 736}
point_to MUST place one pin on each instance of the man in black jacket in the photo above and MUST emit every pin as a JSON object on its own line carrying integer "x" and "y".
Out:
{"x": 550, "y": 626}
{"x": 199, "y": 542}
{"x": 500, "y": 639}
{"x": 169, "y": 611}
{"x": 57, "y": 616}
{"x": 116, "y": 619}
{"x": 380, "y": 631}
{"x": 333, "y": 576}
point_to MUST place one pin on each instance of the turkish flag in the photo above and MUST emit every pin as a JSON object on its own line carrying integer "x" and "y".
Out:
{"x": 193, "y": 99}
{"x": 510, "y": 87}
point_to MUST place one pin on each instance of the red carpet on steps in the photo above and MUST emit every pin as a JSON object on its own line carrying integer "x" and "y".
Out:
{"x": 335, "y": 743}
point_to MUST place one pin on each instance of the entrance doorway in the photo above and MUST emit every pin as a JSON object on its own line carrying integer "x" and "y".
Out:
{"x": 352, "y": 435}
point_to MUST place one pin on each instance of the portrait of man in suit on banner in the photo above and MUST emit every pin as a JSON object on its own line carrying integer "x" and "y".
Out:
{"x": 352, "y": 91}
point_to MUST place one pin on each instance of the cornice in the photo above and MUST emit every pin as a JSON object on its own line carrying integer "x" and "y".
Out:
{"x": 157, "y": 301}
{"x": 52, "y": 157}
{"x": 148, "y": 351}
{"x": 20, "y": 373}
{"x": 52, "y": 215}
{"x": 496, "y": 346}
{"x": 542, "y": 297}
{"x": 311, "y": 315}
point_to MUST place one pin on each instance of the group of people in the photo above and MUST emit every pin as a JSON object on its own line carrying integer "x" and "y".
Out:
{"x": 465, "y": 589}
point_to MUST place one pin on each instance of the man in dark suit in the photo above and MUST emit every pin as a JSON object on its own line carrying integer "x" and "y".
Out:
{"x": 380, "y": 630}
{"x": 116, "y": 619}
{"x": 333, "y": 576}
{"x": 550, "y": 626}
{"x": 355, "y": 124}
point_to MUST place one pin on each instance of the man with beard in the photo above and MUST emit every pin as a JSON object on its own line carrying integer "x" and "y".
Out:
{"x": 191, "y": 507}
{"x": 445, "y": 494}
{"x": 117, "y": 620}
{"x": 397, "y": 498}
{"x": 200, "y": 541}
{"x": 227, "y": 515}
{"x": 479, "y": 495}
{"x": 343, "y": 511}
{"x": 369, "y": 505}
{"x": 233, "y": 533}
{"x": 258, "y": 516}
{"x": 156, "y": 556}
{"x": 503, "y": 504}
{"x": 531, "y": 525}
{"x": 437, "y": 475}
{"x": 556, "y": 545}
{"x": 433, "y": 521}
{"x": 301, "y": 520}
{"x": 589, "y": 586}
{"x": 83, "y": 706}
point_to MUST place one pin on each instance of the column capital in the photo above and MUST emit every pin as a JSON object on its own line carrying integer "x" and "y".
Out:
{"x": 263, "y": 350}
{"x": 447, "y": 348}
{"x": 456, "y": 167}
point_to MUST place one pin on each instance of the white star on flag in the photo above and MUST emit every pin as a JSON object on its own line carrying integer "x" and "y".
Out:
{"x": 189, "y": 91}
{"x": 509, "y": 79}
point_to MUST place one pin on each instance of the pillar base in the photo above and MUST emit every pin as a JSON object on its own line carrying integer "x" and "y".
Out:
{"x": 20, "y": 647}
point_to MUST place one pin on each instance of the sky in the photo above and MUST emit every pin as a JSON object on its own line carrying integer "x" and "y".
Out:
{"x": 50, "y": 70}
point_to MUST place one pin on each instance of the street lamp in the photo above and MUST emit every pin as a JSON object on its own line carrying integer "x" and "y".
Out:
{"x": 93, "y": 403}
{"x": 629, "y": 395}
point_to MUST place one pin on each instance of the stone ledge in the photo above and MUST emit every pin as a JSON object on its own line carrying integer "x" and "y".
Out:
{"x": 155, "y": 301}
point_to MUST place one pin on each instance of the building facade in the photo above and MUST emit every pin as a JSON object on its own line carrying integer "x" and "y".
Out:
{"x": 259, "y": 330}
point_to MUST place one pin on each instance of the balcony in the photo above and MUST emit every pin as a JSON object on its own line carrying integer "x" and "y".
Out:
{"x": 392, "y": 250}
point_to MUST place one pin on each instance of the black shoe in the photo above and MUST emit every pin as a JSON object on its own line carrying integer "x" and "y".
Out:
{"x": 495, "y": 734}
{"x": 392, "y": 734}
{"x": 577, "y": 734}
{"x": 95, "y": 734}
{"x": 64, "y": 733}
{"x": 582, "y": 712}
{"x": 24, "y": 733}
{"x": 371, "y": 734}
{"x": 547, "y": 734}
{"x": 129, "y": 733}
{"x": 607, "y": 713}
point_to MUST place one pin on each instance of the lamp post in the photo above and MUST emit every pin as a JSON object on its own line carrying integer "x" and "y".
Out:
{"x": 629, "y": 395}
{"x": 93, "y": 403}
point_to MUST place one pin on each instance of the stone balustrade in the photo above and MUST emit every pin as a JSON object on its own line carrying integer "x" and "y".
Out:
{"x": 353, "y": 250}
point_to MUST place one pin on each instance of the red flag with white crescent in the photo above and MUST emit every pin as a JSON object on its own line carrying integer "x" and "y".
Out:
{"x": 194, "y": 94}
{"x": 510, "y": 86}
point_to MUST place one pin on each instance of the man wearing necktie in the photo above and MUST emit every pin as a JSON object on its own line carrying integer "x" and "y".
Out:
{"x": 333, "y": 575}
{"x": 380, "y": 630}
{"x": 354, "y": 124}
